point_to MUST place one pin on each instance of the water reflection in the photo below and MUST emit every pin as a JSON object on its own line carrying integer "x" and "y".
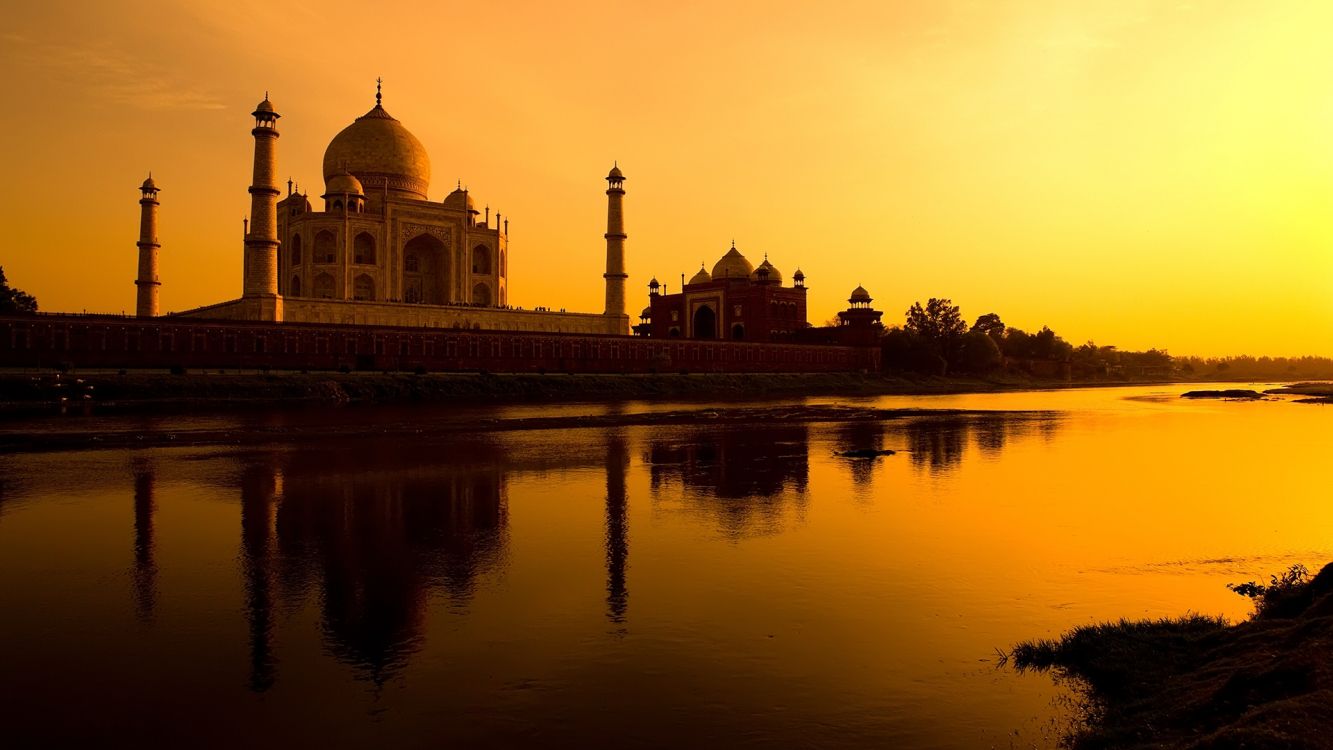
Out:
{"x": 617, "y": 527}
{"x": 742, "y": 479}
{"x": 145, "y": 569}
{"x": 374, "y": 531}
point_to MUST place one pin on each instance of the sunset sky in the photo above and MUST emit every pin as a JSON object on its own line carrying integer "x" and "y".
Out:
{"x": 1138, "y": 173}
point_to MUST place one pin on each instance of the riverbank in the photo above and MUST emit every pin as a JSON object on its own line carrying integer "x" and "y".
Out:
{"x": 1197, "y": 682}
{"x": 29, "y": 393}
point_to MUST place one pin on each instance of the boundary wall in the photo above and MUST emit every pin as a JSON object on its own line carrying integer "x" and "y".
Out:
{"x": 97, "y": 341}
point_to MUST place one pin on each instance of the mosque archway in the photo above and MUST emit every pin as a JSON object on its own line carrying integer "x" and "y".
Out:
{"x": 705, "y": 323}
{"x": 738, "y": 332}
{"x": 430, "y": 259}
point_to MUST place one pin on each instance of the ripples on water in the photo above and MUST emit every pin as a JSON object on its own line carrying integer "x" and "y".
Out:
{"x": 649, "y": 586}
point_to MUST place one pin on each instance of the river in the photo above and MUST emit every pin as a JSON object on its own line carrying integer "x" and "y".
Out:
{"x": 736, "y": 585}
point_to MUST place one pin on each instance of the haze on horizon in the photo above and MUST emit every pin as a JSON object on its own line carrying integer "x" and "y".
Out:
{"x": 1143, "y": 174}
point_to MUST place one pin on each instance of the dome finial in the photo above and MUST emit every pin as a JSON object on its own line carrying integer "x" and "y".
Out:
{"x": 378, "y": 97}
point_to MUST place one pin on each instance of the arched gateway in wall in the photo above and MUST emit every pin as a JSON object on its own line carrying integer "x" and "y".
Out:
{"x": 426, "y": 270}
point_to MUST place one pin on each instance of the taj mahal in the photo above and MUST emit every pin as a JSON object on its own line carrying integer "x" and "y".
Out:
{"x": 375, "y": 250}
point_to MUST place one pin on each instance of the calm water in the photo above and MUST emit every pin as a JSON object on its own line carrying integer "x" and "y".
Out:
{"x": 629, "y": 587}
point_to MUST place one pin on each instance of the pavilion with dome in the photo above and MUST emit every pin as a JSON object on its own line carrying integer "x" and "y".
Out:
{"x": 736, "y": 300}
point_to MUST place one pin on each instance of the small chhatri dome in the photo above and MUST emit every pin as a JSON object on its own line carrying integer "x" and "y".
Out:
{"x": 148, "y": 184}
{"x": 859, "y": 294}
{"x": 345, "y": 183}
{"x": 265, "y": 106}
{"x": 798, "y": 276}
{"x": 615, "y": 174}
{"x": 733, "y": 265}
{"x": 702, "y": 277}
{"x": 460, "y": 200}
{"x": 380, "y": 152}
{"x": 647, "y": 313}
{"x": 773, "y": 274}
{"x": 654, "y": 284}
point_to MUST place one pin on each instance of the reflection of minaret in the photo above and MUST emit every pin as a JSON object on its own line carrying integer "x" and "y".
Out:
{"x": 258, "y": 485}
{"x": 617, "y": 528}
{"x": 145, "y": 570}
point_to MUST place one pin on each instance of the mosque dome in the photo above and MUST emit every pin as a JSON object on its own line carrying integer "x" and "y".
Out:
{"x": 859, "y": 294}
{"x": 615, "y": 174}
{"x": 798, "y": 276}
{"x": 344, "y": 183}
{"x": 148, "y": 184}
{"x": 380, "y": 151}
{"x": 459, "y": 199}
{"x": 733, "y": 265}
{"x": 774, "y": 275}
{"x": 702, "y": 277}
{"x": 647, "y": 313}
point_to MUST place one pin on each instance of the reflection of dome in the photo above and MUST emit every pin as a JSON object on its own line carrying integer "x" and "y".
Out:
{"x": 702, "y": 277}
{"x": 380, "y": 151}
{"x": 344, "y": 184}
{"x": 459, "y": 199}
{"x": 859, "y": 294}
{"x": 774, "y": 275}
{"x": 733, "y": 265}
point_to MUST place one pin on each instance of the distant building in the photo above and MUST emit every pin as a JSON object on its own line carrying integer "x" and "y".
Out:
{"x": 376, "y": 250}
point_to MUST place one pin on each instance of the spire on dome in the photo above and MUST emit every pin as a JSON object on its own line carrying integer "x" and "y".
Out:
{"x": 378, "y": 96}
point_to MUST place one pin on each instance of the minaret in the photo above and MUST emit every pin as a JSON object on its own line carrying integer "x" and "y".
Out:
{"x": 148, "y": 245}
{"x": 615, "y": 247}
{"x": 261, "y": 242}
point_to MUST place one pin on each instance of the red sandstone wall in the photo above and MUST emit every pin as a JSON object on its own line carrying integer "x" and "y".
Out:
{"x": 113, "y": 342}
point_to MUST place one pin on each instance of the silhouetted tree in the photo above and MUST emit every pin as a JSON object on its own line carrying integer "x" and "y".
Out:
{"x": 991, "y": 325}
{"x": 977, "y": 353}
{"x": 904, "y": 350}
{"x": 15, "y": 300}
{"x": 939, "y": 323}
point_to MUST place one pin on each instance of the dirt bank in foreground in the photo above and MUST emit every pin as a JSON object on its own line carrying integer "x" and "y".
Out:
{"x": 1197, "y": 682}
{"x": 144, "y": 391}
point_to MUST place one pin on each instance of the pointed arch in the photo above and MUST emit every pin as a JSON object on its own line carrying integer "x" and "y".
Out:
{"x": 426, "y": 270}
{"x": 481, "y": 295}
{"x": 705, "y": 323}
{"x": 363, "y": 249}
{"x": 295, "y": 288}
{"x": 324, "y": 286}
{"x": 296, "y": 250}
{"x": 363, "y": 287}
{"x": 326, "y": 247}
{"x": 481, "y": 260}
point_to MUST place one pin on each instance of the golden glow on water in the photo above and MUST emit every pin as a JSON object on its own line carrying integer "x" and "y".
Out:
{"x": 1141, "y": 173}
{"x": 636, "y": 586}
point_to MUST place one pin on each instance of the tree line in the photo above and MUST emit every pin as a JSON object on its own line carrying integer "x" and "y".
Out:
{"x": 935, "y": 339}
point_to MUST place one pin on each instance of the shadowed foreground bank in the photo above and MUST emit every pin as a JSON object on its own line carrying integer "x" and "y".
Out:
{"x": 138, "y": 391}
{"x": 1196, "y": 682}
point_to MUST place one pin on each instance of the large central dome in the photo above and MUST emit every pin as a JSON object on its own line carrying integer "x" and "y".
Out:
{"x": 379, "y": 151}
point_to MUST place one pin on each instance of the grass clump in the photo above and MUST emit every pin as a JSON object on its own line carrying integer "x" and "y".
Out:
{"x": 1199, "y": 682}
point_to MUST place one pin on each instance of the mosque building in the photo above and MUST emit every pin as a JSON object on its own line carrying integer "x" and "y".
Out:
{"x": 374, "y": 249}
{"x": 736, "y": 301}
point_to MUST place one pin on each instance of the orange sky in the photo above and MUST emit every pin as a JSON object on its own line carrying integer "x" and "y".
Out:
{"x": 1138, "y": 173}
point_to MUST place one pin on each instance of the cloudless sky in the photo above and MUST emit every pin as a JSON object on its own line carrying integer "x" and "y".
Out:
{"x": 1138, "y": 173}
